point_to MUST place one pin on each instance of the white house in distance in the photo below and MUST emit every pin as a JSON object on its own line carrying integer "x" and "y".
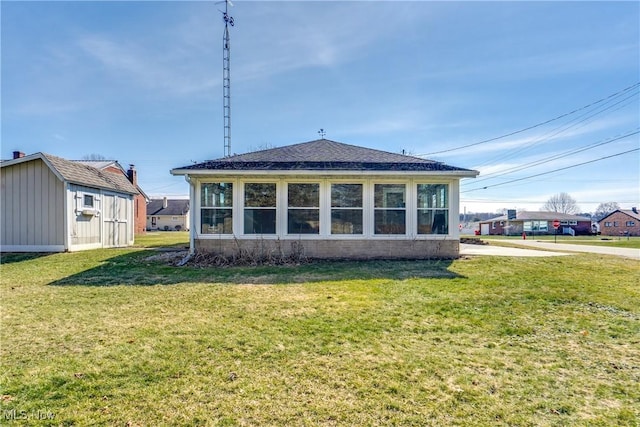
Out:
{"x": 49, "y": 204}
{"x": 168, "y": 214}
{"x": 330, "y": 199}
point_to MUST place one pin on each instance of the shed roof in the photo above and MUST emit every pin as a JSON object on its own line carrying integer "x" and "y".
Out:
{"x": 322, "y": 155}
{"x": 78, "y": 173}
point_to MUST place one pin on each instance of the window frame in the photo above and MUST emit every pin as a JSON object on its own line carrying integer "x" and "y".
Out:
{"x": 277, "y": 183}
{"x": 390, "y": 209}
{"x": 227, "y": 208}
{"x": 86, "y": 197}
{"x": 314, "y": 231}
{"x": 335, "y": 209}
{"x": 436, "y": 209}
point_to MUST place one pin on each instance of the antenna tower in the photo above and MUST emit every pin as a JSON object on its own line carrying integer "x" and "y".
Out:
{"x": 226, "y": 78}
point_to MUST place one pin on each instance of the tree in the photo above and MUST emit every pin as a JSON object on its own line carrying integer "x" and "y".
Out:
{"x": 561, "y": 203}
{"x": 605, "y": 209}
{"x": 94, "y": 157}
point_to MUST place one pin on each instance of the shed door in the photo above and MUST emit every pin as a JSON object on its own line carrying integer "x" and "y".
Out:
{"x": 115, "y": 220}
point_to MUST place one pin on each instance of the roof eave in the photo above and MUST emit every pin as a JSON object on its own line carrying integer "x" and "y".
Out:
{"x": 245, "y": 172}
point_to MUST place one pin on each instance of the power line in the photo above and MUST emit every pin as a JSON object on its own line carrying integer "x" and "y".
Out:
{"x": 552, "y": 171}
{"x": 536, "y": 125}
{"x": 551, "y": 158}
{"x": 580, "y": 120}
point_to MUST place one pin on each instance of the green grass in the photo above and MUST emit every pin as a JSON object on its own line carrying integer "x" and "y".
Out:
{"x": 154, "y": 239}
{"x": 614, "y": 241}
{"x": 111, "y": 337}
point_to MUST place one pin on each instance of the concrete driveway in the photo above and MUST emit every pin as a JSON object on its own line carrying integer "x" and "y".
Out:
{"x": 467, "y": 249}
{"x": 545, "y": 248}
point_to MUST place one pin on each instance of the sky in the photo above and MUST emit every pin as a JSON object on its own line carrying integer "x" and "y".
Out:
{"x": 539, "y": 97}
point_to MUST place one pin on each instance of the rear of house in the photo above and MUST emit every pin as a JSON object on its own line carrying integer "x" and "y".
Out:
{"x": 325, "y": 199}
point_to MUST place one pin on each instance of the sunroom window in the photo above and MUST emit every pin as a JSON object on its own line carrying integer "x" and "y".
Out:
{"x": 346, "y": 208}
{"x": 303, "y": 213}
{"x": 260, "y": 208}
{"x": 433, "y": 209}
{"x": 389, "y": 208}
{"x": 216, "y": 208}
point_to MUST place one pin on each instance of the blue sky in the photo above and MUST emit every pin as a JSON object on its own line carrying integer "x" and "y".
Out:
{"x": 141, "y": 82}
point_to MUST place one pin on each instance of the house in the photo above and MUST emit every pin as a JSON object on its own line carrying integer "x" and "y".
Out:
{"x": 328, "y": 200}
{"x": 49, "y": 204}
{"x": 533, "y": 223}
{"x": 621, "y": 222}
{"x": 168, "y": 214}
{"x": 140, "y": 200}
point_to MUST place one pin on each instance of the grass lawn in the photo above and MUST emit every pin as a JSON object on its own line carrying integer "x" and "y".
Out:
{"x": 112, "y": 337}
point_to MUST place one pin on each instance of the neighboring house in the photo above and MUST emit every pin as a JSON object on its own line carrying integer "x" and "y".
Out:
{"x": 536, "y": 223}
{"x": 327, "y": 200}
{"x": 168, "y": 214}
{"x": 621, "y": 222}
{"x": 140, "y": 200}
{"x": 49, "y": 204}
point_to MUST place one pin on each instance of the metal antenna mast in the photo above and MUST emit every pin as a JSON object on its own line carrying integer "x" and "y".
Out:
{"x": 226, "y": 78}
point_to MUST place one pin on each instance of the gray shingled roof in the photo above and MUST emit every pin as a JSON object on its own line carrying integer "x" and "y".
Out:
{"x": 174, "y": 207}
{"x": 78, "y": 173}
{"x": 323, "y": 154}
{"x": 541, "y": 216}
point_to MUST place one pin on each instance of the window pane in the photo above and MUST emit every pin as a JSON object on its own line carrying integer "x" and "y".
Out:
{"x": 87, "y": 201}
{"x": 346, "y": 195}
{"x": 346, "y": 221}
{"x": 389, "y": 196}
{"x": 216, "y": 195}
{"x": 390, "y": 221}
{"x": 432, "y": 221}
{"x": 216, "y": 221}
{"x": 304, "y": 221}
{"x": 304, "y": 195}
{"x": 260, "y": 195}
{"x": 259, "y": 221}
{"x": 433, "y": 196}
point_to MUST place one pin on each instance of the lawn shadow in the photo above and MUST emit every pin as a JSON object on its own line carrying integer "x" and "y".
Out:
{"x": 11, "y": 257}
{"x": 152, "y": 267}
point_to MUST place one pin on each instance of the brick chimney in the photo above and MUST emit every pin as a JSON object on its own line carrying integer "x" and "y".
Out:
{"x": 18, "y": 154}
{"x": 132, "y": 174}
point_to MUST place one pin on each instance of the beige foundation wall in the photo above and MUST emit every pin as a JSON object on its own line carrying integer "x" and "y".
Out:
{"x": 335, "y": 249}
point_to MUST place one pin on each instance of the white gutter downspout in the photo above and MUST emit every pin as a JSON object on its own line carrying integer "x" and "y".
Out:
{"x": 192, "y": 214}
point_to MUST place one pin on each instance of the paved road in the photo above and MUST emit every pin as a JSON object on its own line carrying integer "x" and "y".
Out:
{"x": 558, "y": 248}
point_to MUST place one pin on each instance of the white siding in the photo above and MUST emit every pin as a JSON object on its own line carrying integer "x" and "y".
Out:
{"x": 84, "y": 229}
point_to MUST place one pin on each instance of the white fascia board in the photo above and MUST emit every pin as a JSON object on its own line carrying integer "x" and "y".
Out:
{"x": 408, "y": 174}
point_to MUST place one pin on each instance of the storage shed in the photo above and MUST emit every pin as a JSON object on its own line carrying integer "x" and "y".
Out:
{"x": 49, "y": 204}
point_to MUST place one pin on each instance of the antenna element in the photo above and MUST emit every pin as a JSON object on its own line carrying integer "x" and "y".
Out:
{"x": 226, "y": 78}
